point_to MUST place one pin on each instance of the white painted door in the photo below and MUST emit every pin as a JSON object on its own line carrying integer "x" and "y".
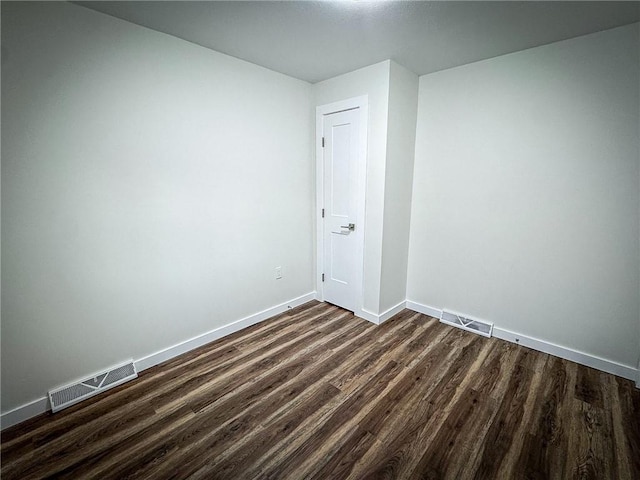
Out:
{"x": 340, "y": 165}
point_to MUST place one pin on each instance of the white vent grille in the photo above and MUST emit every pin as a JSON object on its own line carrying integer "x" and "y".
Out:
{"x": 68, "y": 395}
{"x": 465, "y": 322}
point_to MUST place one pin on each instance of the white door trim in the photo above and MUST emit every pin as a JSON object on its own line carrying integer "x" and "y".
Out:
{"x": 361, "y": 103}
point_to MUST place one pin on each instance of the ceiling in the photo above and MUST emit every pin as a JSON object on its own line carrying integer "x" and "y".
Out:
{"x": 314, "y": 41}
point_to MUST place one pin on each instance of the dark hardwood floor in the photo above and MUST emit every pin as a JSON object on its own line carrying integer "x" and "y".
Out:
{"x": 318, "y": 394}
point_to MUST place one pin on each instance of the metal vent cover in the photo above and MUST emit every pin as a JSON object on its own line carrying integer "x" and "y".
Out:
{"x": 68, "y": 395}
{"x": 481, "y": 327}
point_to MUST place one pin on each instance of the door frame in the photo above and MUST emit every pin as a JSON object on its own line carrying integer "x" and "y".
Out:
{"x": 361, "y": 103}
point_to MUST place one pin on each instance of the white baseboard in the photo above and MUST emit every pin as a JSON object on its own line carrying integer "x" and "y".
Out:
{"x": 544, "y": 346}
{"x": 195, "y": 342}
{"x": 24, "y": 412}
{"x": 386, "y": 315}
{"x": 378, "y": 318}
{"x": 367, "y": 315}
{"x": 576, "y": 356}
{"x": 41, "y": 405}
{"x": 424, "y": 309}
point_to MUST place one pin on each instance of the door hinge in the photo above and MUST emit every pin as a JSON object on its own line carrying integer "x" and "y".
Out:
{"x": 322, "y": 142}
{"x": 323, "y": 213}
{"x": 323, "y": 277}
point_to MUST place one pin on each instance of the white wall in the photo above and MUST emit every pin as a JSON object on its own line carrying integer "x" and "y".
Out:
{"x": 149, "y": 189}
{"x": 374, "y": 82}
{"x": 401, "y": 136}
{"x": 525, "y": 196}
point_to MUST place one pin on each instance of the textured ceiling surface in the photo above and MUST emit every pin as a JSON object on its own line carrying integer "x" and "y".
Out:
{"x": 314, "y": 41}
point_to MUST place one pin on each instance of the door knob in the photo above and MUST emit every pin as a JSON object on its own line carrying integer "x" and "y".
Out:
{"x": 351, "y": 226}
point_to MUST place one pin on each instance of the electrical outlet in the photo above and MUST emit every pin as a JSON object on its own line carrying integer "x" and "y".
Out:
{"x": 278, "y": 272}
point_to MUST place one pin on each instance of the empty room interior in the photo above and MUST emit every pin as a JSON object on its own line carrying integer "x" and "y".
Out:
{"x": 320, "y": 240}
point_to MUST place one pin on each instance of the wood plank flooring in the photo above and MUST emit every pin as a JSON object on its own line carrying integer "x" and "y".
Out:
{"x": 316, "y": 393}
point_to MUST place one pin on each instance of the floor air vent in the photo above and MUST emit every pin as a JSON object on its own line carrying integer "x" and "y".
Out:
{"x": 474, "y": 325}
{"x": 68, "y": 395}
